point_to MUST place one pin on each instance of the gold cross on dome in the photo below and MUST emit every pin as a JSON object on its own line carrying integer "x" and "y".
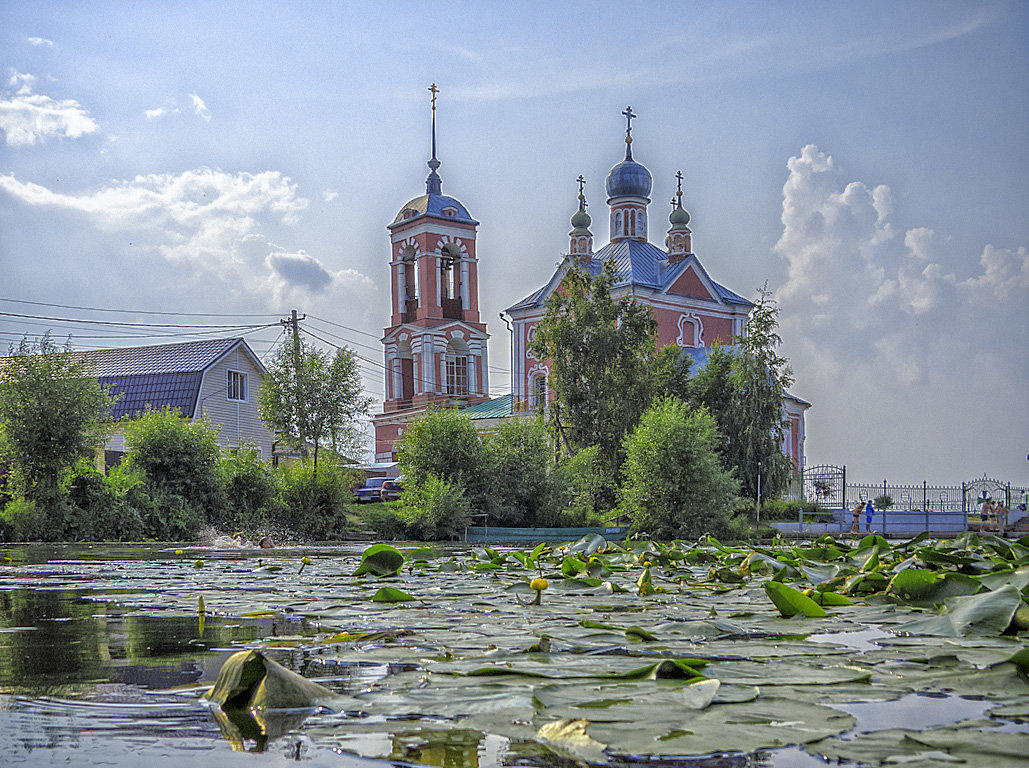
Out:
{"x": 434, "y": 91}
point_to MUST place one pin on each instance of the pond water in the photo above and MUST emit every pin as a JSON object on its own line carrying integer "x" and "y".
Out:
{"x": 106, "y": 650}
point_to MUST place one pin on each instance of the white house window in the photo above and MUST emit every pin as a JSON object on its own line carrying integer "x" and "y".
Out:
{"x": 237, "y": 386}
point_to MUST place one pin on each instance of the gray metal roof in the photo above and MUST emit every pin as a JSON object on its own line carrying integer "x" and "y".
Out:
{"x": 184, "y": 357}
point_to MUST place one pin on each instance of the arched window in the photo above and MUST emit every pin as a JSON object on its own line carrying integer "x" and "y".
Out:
{"x": 457, "y": 368}
{"x": 641, "y": 225}
{"x": 539, "y": 391}
{"x": 618, "y": 223}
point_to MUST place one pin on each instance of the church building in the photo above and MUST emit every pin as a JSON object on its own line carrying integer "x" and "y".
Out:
{"x": 436, "y": 345}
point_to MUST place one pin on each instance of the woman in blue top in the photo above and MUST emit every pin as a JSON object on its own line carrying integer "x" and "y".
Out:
{"x": 869, "y": 511}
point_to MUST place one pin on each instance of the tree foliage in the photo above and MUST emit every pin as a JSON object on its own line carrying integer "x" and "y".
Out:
{"x": 444, "y": 444}
{"x": 601, "y": 351}
{"x": 178, "y": 459}
{"x": 675, "y": 485}
{"x": 51, "y": 413}
{"x": 312, "y": 401}
{"x": 743, "y": 387}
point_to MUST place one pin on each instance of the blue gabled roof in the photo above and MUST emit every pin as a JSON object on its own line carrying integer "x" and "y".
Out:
{"x": 153, "y": 390}
{"x": 638, "y": 263}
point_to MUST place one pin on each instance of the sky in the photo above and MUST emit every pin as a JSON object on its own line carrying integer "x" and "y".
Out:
{"x": 217, "y": 165}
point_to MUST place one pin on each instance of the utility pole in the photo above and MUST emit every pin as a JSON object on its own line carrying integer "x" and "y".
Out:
{"x": 294, "y": 322}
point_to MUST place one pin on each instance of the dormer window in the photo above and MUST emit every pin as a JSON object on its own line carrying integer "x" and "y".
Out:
{"x": 452, "y": 212}
{"x": 409, "y": 212}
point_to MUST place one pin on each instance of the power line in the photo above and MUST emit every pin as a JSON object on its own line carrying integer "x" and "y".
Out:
{"x": 121, "y": 324}
{"x": 133, "y": 311}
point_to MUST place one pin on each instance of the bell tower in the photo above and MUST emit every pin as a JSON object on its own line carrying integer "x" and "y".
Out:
{"x": 435, "y": 345}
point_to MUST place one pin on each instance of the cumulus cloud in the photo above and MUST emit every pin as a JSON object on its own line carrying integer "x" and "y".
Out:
{"x": 199, "y": 108}
{"x": 300, "y": 269}
{"x": 879, "y": 320}
{"x": 29, "y": 118}
{"x": 329, "y": 195}
{"x": 41, "y": 41}
{"x": 199, "y": 215}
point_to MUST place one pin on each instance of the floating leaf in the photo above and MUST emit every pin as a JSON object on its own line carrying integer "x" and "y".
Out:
{"x": 571, "y": 736}
{"x": 380, "y": 560}
{"x": 391, "y": 595}
{"x": 790, "y": 602}
{"x": 987, "y": 613}
{"x": 250, "y": 680}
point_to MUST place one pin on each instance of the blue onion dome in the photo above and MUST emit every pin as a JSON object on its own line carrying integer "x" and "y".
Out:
{"x": 629, "y": 179}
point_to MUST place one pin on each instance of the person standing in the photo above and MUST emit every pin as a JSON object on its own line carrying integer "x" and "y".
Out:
{"x": 855, "y": 524}
{"x": 1000, "y": 517}
{"x": 869, "y": 511}
{"x": 986, "y": 516}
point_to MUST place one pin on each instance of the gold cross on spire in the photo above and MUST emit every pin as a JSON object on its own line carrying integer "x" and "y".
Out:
{"x": 582, "y": 184}
{"x": 434, "y": 91}
{"x": 678, "y": 179}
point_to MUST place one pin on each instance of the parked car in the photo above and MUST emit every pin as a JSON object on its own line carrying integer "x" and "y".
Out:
{"x": 370, "y": 490}
{"x": 391, "y": 489}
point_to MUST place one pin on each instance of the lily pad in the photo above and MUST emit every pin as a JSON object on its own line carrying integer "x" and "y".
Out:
{"x": 250, "y": 680}
{"x": 380, "y": 560}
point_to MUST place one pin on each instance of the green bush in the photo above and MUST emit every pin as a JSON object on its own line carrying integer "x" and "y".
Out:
{"x": 22, "y": 520}
{"x": 385, "y": 520}
{"x": 314, "y": 506}
{"x": 435, "y": 510}
{"x": 578, "y": 487}
{"x": 789, "y": 511}
{"x": 97, "y": 510}
{"x": 177, "y": 457}
{"x": 251, "y": 492}
{"x": 675, "y": 486}
{"x": 444, "y": 444}
{"x": 517, "y": 460}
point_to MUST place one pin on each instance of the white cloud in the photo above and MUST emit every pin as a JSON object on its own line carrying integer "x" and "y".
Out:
{"x": 41, "y": 41}
{"x": 329, "y": 195}
{"x": 154, "y": 114}
{"x": 876, "y": 325}
{"x": 199, "y": 108}
{"x": 29, "y": 118}
{"x": 199, "y": 215}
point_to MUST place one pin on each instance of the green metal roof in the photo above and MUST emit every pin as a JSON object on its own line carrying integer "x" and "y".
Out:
{"x": 496, "y": 408}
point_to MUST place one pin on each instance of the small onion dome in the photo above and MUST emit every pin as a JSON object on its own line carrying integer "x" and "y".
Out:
{"x": 680, "y": 217}
{"x": 581, "y": 220}
{"x": 629, "y": 179}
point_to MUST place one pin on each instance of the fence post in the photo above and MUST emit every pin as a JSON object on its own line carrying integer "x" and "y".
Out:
{"x": 925, "y": 503}
{"x": 845, "y": 505}
{"x": 884, "y": 508}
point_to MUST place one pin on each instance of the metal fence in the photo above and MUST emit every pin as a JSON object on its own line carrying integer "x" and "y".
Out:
{"x": 913, "y": 507}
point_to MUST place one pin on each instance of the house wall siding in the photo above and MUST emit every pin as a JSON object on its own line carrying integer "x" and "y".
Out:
{"x": 238, "y": 422}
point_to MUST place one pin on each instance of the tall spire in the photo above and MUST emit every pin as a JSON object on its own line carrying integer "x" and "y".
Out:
{"x": 433, "y": 184}
{"x": 628, "y": 132}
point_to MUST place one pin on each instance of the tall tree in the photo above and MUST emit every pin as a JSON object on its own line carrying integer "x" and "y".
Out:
{"x": 51, "y": 413}
{"x": 601, "y": 351}
{"x": 743, "y": 388}
{"x": 313, "y": 401}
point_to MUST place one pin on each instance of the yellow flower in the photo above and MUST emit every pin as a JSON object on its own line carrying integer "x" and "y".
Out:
{"x": 539, "y": 584}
